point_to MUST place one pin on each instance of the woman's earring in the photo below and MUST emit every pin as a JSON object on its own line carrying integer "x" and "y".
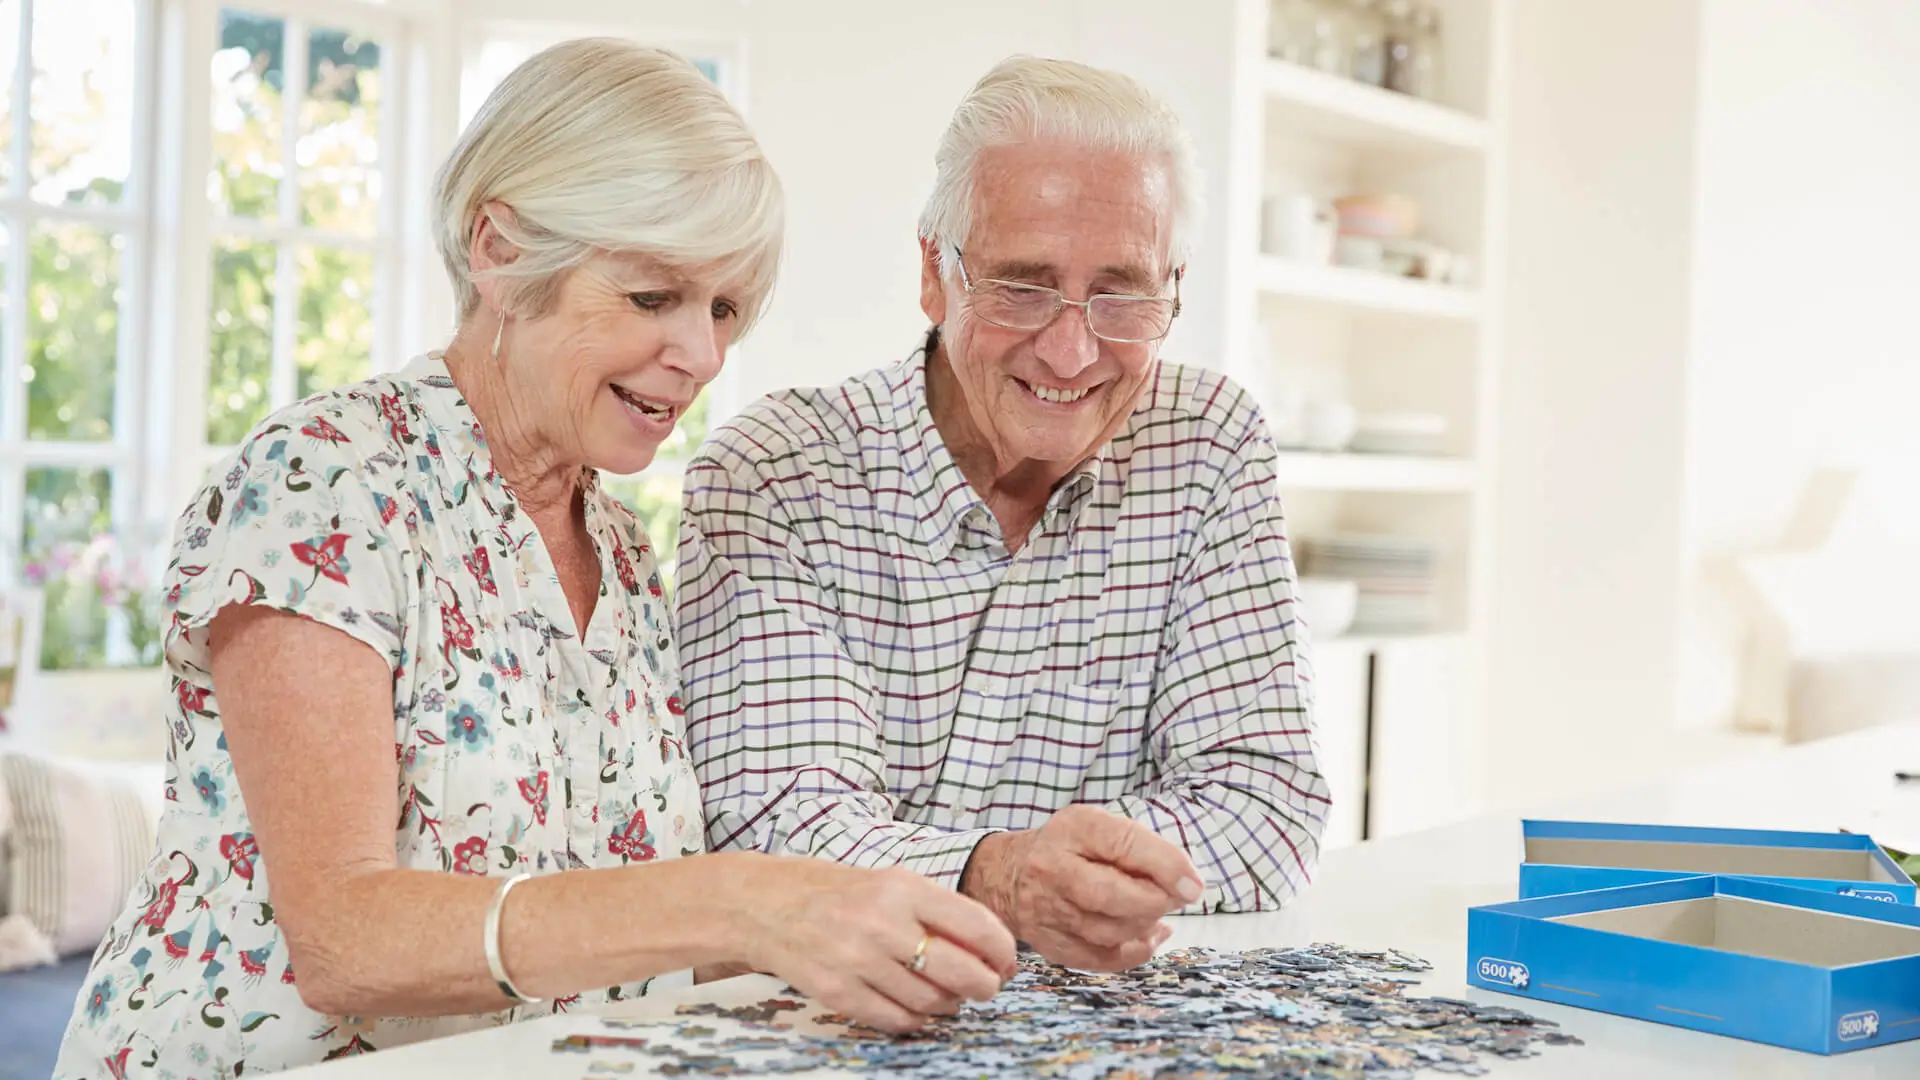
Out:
{"x": 498, "y": 334}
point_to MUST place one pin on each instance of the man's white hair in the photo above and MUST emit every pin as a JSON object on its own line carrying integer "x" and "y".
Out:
{"x": 1028, "y": 99}
{"x": 601, "y": 144}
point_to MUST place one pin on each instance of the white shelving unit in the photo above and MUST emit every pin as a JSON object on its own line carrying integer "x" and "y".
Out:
{"x": 1317, "y": 103}
{"x": 1361, "y": 290}
{"x": 1384, "y": 344}
{"x": 1375, "y": 472}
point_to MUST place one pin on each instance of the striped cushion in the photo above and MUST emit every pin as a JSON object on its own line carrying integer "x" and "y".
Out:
{"x": 79, "y": 841}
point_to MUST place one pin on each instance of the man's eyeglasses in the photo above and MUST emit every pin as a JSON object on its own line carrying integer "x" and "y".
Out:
{"x": 1117, "y": 317}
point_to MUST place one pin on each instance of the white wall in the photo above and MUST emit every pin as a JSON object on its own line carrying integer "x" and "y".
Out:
{"x": 1583, "y": 668}
{"x": 1807, "y": 229}
{"x": 849, "y": 98}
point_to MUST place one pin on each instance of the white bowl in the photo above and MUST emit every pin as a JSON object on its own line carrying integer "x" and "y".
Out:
{"x": 1328, "y": 604}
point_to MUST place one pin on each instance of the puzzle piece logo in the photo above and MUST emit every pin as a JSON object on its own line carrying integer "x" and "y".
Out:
{"x": 1869, "y": 894}
{"x": 1859, "y": 1025}
{"x": 1510, "y": 972}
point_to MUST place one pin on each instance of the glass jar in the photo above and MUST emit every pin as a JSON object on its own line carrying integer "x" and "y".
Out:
{"x": 1332, "y": 36}
{"x": 1425, "y": 72}
{"x": 1401, "y": 46}
{"x": 1367, "y": 49}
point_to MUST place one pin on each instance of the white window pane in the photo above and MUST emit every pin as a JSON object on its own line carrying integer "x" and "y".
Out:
{"x": 83, "y": 95}
{"x": 9, "y": 55}
{"x": 71, "y": 556}
{"x": 73, "y": 331}
{"x": 335, "y": 344}
{"x": 248, "y": 72}
{"x": 339, "y": 138}
{"x": 239, "y": 339}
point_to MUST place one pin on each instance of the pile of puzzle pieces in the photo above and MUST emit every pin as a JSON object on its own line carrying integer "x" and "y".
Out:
{"x": 1320, "y": 1012}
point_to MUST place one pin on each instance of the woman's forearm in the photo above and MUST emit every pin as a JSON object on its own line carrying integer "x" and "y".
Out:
{"x": 410, "y": 942}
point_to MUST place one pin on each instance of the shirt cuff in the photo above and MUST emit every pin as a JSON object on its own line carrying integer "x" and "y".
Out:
{"x": 942, "y": 856}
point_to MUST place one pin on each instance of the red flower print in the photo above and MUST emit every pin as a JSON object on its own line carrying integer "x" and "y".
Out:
{"x": 117, "y": 1064}
{"x": 455, "y": 625}
{"x": 536, "y": 795}
{"x": 674, "y": 706}
{"x": 328, "y": 555}
{"x": 481, "y": 567}
{"x": 633, "y": 699}
{"x": 627, "y": 579}
{"x": 162, "y": 907}
{"x": 395, "y": 416}
{"x": 241, "y": 851}
{"x": 253, "y": 962}
{"x": 192, "y": 698}
{"x": 320, "y": 429}
{"x": 629, "y": 841}
{"x": 287, "y": 975}
{"x": 470, "y": 856}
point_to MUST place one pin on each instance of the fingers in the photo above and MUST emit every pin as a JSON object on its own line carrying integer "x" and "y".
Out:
{"x": 958, "y": 972}
{"x": 926, "y": 992}
{"x": 967, "y": 924}
{"x": 1103, "y": 889}
{"x": 858, "y": 1000}
{"x": 1084, "y": 956}
{"x": 1139, "y": 851}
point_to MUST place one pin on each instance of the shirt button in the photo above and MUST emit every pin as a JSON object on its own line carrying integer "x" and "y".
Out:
{"x": 1017, "y": 573}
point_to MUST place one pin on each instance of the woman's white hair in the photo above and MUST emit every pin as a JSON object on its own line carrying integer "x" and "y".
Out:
{"x": 601, "y": 144}
{"x": 1028, "y": 99}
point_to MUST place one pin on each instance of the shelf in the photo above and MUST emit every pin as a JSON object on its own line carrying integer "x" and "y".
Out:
{"x": 1364, "y": 290}
{"x": 1366, "y": 642}
{"x": 1341, "y": 110}
{"x": 1373, "y": 472}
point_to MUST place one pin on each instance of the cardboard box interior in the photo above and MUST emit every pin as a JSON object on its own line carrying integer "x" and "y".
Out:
{"x": 1758, "y": 928}
{"x": 1709, "y": 858}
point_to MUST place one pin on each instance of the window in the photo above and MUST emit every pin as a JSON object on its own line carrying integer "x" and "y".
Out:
{"x": 210, "y": 209}
{"x": 75, "y": 224}
{"x": 169, "y": 276}
{"x": 300, "y": 259}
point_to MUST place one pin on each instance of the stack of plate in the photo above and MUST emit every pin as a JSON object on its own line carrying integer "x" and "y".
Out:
{"x": 1395, "y": 575}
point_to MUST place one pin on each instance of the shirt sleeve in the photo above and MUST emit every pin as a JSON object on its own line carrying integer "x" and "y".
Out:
{"x": 290, "y": 525}
{"x": 1230, "y": 728}
{"x": 782, "y": 722}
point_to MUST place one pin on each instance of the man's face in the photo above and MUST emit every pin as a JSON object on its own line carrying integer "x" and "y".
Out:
{"x": 1082, "y": 222}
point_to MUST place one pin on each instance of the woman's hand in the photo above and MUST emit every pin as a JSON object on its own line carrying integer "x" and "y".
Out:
{"x": 846, "y": 936}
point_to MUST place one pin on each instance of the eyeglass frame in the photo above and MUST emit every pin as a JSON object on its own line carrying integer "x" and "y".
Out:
{"x": 1061, "y": 302}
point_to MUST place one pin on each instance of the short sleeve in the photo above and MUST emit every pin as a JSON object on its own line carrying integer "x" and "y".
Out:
{"x": 291, "y": 524}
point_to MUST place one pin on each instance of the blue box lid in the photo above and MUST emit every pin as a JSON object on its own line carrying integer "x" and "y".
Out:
{"x": 1575, "y": 856}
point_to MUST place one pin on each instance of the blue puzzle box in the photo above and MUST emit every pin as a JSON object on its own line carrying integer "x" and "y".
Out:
{"x": 1577, "y": 856}
{"x": 1735, "y": 956}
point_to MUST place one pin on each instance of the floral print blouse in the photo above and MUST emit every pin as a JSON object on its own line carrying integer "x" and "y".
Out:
{"x": 520, "y": 745}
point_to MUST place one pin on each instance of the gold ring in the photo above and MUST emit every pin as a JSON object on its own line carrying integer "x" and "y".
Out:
{"x": 919, "y": 962}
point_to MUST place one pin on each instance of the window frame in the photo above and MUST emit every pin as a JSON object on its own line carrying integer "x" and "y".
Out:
{"x": 203, "y": 225}
{"x": 122, "y": 456}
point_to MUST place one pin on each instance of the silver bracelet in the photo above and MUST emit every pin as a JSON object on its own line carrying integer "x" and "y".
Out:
{"x": 491, "y": 939}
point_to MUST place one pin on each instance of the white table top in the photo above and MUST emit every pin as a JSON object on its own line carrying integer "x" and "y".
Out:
{"x": 1411, "y": 892}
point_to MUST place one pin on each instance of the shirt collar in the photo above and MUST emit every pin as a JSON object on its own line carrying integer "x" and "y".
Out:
{"x": 942, "y": 497}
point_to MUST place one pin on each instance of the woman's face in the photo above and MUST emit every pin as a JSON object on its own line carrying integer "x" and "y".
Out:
{"x": 616, "y": 361}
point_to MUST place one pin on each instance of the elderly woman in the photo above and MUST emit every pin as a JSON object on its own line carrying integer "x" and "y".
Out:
{"x": 427, "y": 771}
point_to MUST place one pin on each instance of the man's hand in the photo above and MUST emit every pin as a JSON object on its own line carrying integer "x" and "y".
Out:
{"x": 1087, "y": 889}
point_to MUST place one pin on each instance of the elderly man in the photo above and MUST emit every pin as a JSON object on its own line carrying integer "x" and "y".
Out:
{"x": 1018, "y": 612}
